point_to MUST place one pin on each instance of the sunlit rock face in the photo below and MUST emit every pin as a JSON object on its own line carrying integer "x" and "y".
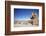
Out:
{"x": 34, "y": 19}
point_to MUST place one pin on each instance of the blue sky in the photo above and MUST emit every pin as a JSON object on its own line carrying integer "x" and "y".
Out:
{"x": 24, "y": 13}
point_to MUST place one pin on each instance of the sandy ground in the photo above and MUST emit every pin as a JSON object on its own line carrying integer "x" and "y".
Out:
{"x": 23, "y": 25}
